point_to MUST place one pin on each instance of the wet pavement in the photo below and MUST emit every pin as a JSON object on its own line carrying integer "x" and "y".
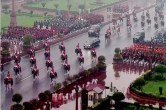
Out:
{"x": 30, "y": 89}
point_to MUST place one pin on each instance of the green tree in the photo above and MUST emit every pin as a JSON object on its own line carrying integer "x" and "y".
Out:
{"x": 117, "y": 55}
{"x": 139, "y": 83}
{"x": 27, "y": 40}
{"x": 47, "y": 92}
{"x": 101, "y": 66}
{"x": 17, "y": 98}
{"x": 27, "y": 106}
{"x": 160, "y": 69}
{"x": 57, "y": 86}
{"x": 43, "y": 4}
{"x": 5, "y": 7}
{"x": 17, "y": 107}
{"x": 158, "y": 77}
{"x": 86, "y": 72}
{"x": 82, "y": 7}
{"x": 117, "y": 50}
{"x": 56, "y": 6}
{"x": 5, "y": 49}
{"x": 118, "y": 97}
{"x": 101, "y": 58}
{"x": 42, "y": 97}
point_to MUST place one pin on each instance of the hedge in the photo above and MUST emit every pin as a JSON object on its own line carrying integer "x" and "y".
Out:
{"x": 148, "y": 95}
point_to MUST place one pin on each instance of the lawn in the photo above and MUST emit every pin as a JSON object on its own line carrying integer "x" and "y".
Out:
{"x": 26, "y": 20}
{"x": 153, "y": 87}
{"x": 130, "y": 106}
{"x": 63, "y": 4}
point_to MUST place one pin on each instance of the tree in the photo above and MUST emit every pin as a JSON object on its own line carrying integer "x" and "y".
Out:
{"x": 57, "y": 86}
{"x": 5, "y": 7}
{"x": 81, "y": 6}
{"x": 27, "y": 40}
{"x": 17, "y": 98}
{"x": 101, "y": 58}
{"x": 117, "y": 55}
{"x": 42, "y": 97}
{"x": 139, "y": 83}
{"x": 56, "y": 6}
{"x": 27, "y": 106}
{"x": 160, "y": 69}
{"x": 16, "y": 107}
{"x": 101, "y": 66}
{"x": 5, "y": 49}
{"x": 86, "y": 72}
{"x": 118, "y": 96}
{"x": 158, "y": 77}
{"x": 43, "y": 4}
{"x": 117, "y": 50}
{"x": 48, "y": 94}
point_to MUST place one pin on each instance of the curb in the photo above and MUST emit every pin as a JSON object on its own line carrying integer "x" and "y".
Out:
{"x": 145, "y": 100}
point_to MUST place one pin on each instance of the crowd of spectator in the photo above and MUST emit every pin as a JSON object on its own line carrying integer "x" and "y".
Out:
{"x": 19, "y": 32}
{"x": 70, "y": 24}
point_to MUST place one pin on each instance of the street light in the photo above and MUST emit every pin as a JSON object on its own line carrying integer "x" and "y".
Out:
{"x": 112, "y": 91}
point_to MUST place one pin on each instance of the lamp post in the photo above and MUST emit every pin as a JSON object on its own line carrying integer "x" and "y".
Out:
{"x": 76, "y": 89}
{"x": 111, "y": 101}
{"x": 112, "y": 90}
